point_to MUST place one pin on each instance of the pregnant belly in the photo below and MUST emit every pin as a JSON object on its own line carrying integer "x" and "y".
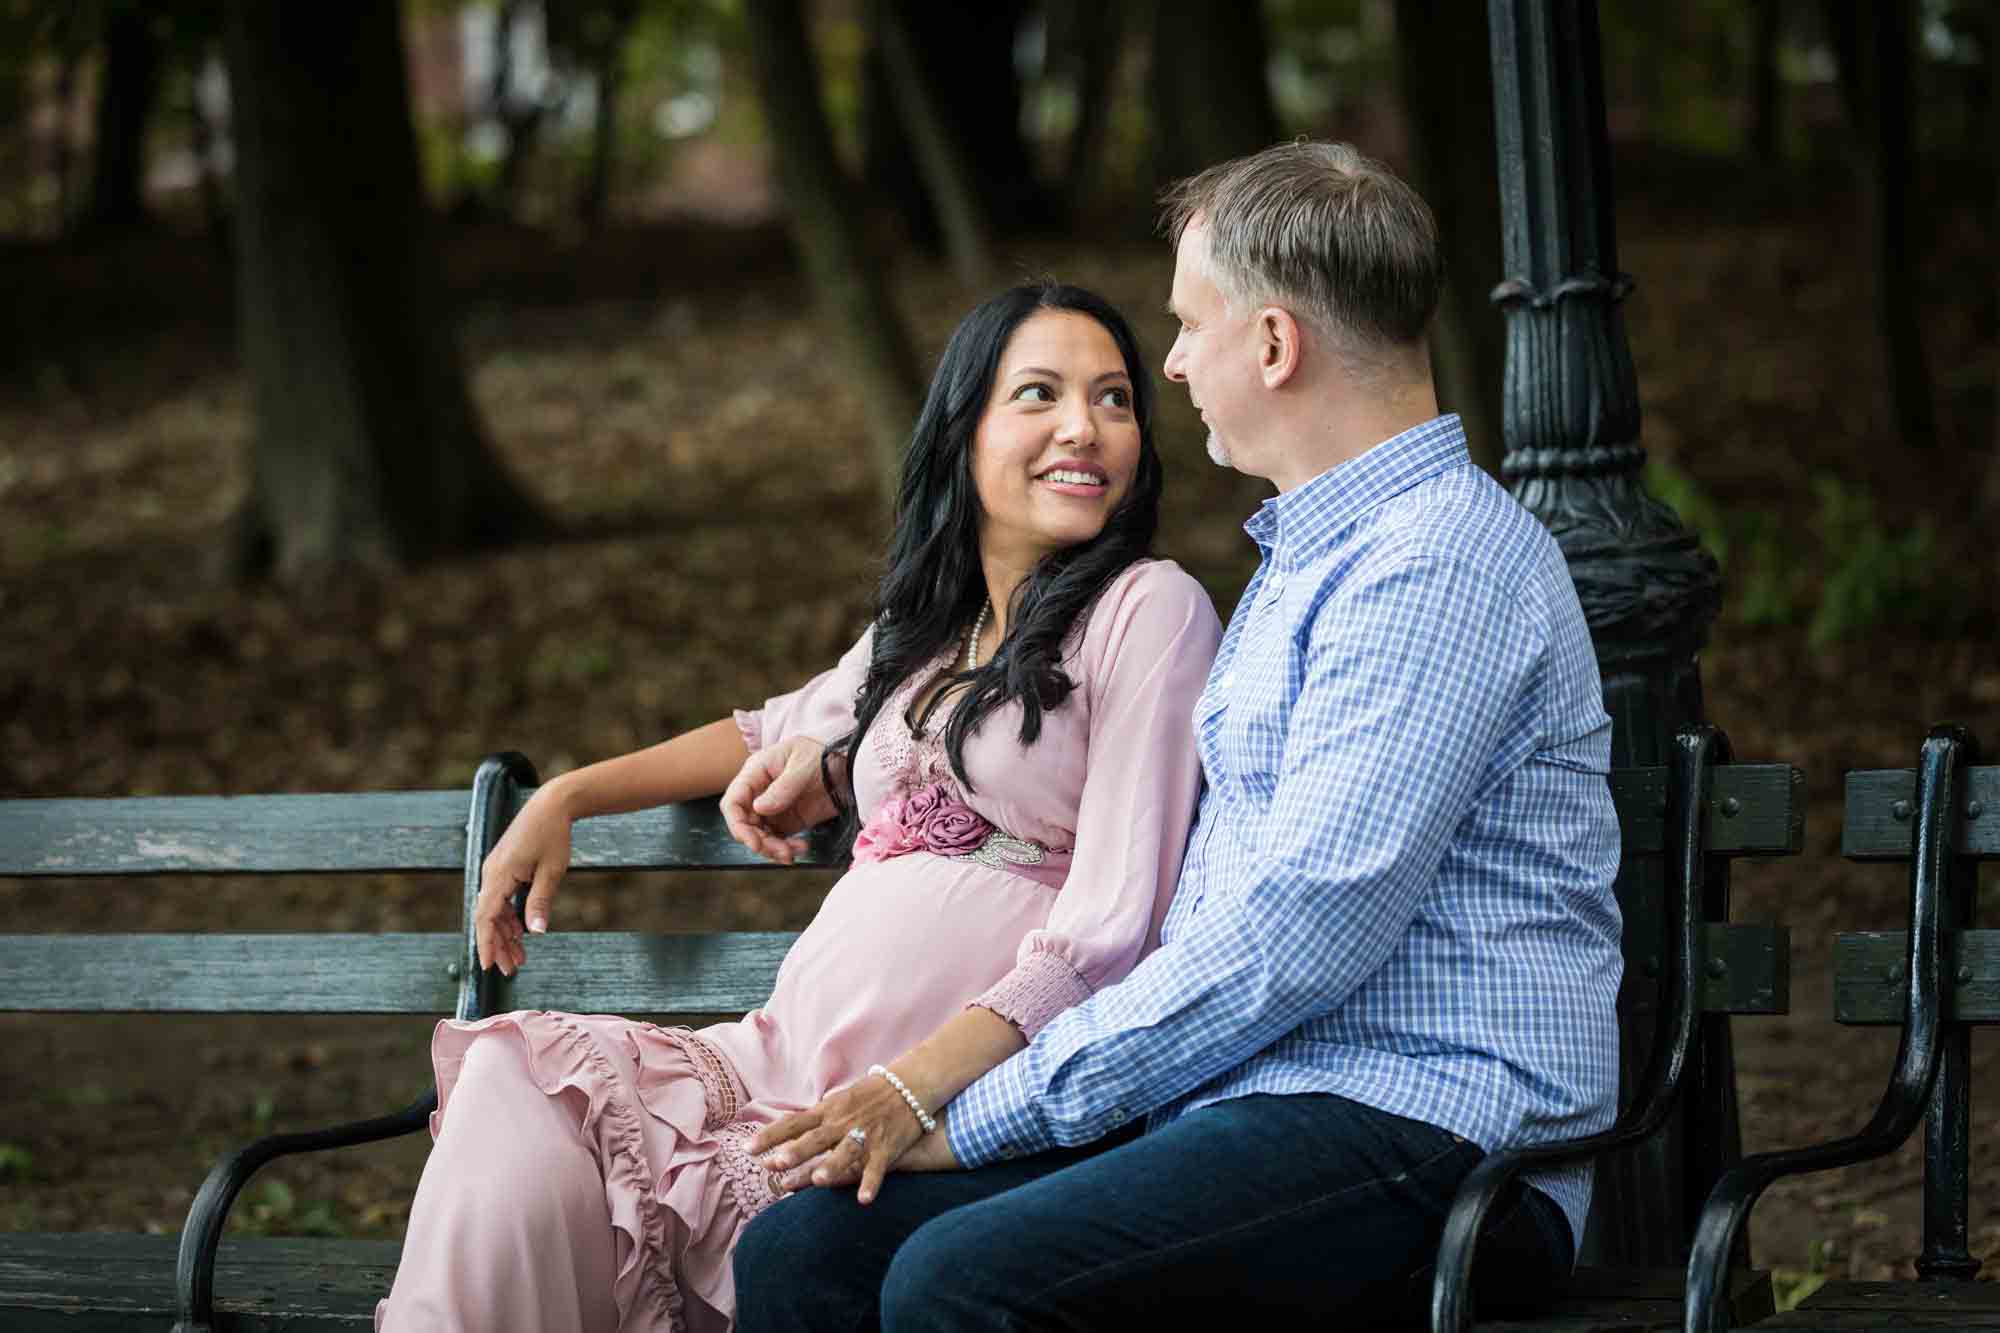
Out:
{"x": 898, "y": 947}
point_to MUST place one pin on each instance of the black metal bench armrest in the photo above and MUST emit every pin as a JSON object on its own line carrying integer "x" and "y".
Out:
{"x": 194, "y": 1270}
{"x": 1696, "y": 751}
{"x": 1946, "y": 752}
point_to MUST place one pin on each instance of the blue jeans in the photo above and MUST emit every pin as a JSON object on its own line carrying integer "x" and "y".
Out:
{"x": 1310, "y": 1205}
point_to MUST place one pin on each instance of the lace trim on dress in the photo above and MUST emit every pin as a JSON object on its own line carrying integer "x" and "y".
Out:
{"x": 742, "y": 1174}
{"x": 718, "y": 1083}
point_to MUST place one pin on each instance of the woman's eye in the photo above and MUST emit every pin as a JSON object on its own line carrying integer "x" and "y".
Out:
{"x": 1034, "y": 392}
{"x": 1117, "y": 396}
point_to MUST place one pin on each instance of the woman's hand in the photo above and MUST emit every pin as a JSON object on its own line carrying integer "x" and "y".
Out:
{"x": 778, "y": 792}
{"x": 534, "y": 851}
{"x": 888, "y": 1129}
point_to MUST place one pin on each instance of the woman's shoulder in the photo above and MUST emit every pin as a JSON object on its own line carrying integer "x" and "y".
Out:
{"x": 1150, "y": 590}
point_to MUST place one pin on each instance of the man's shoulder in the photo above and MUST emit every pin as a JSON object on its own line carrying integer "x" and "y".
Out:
{"x": 1460, "y": 518}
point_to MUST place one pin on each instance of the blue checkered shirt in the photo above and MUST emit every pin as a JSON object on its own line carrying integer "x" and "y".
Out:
{"x": 1398, "y": 887}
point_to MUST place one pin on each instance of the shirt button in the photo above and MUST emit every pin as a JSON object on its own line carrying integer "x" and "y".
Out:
{"x": 1006, "y": 1153}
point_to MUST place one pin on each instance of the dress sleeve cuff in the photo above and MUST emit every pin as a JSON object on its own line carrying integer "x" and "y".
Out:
{"x": 1034, "y": 992}
{"x": 751, "y": 723}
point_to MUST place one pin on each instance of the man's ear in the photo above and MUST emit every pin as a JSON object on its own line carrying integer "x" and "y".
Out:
{"x": 1280, "y": 345}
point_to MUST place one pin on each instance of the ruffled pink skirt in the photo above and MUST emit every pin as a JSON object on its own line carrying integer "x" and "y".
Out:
{"x": 665, "y": 1120}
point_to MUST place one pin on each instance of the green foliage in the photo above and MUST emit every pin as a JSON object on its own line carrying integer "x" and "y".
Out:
{"x": 1327, "y": 57}
{"x": 276, "y": 1211}
{"x": 1677, "y": 490}
{"x": 15, "y": 1162}
{"x": 1848, "y": 575}
{"x": 85, "y": 1096}
{"x": 1875, "y": 576}
{"x": 1790, "y": 1286}
{"x": 1683, "y": 68}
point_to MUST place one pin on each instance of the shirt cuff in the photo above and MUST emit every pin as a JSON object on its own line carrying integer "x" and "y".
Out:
{"x": 995, "y": 1119}
{"x": 1036, "y": 991}
{"x": 751, "y": 723}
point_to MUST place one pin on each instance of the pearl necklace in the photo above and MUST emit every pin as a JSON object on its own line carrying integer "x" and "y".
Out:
{"x": 972, "y": 639}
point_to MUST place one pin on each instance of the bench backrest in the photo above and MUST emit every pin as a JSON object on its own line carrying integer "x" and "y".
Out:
{"x": 366, "y": 833}
{"x": 1871, "y": 981}
{"x": 1754, "y": 810}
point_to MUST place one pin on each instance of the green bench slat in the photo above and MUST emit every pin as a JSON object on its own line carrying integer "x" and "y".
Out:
{"x": 1871, "y": 830}
{"x": 1599, "y": 1300}
{"x": 399, "y": 832}
{"x": 1769, "y": 810}
{"x": 379, "y": 974}
{"x": 1869, "y": 986}
{"x": 87, "y": 1282}
{"x": 340, "y": 833}
{"x": 1746, "y": 968}
{"x": 629, "y": 973}
{"x": 91, "y": 1282}
{"x": 359, "y": 831}
{"x": 1931, "y": 1303}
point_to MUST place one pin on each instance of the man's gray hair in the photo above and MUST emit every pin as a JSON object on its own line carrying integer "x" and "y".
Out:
{"x": 1330, "y": 234}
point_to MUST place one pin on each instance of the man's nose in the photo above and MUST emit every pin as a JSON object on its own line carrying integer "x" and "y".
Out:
{"x": 1171, "y": 367}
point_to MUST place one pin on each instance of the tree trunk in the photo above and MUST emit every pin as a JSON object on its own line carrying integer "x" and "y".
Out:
{"x": 965, "y": 55}
{"x": 1895, "y": 247}
{"x": 1455, "y": 164}
{"x": 367, "y": 449}
{"x": 1766, "y": 91}
{"x": 605, "y": 53}
{"x": 1097, "y": 27}
{"x": 1211, "y": 99}
{"x": 67, "y": 59}
{"x": 522, "y": 116}
{"x": 941, "y": 159}
{"x": 1872, "y": 44}
{"x": 1993, "y": 255}
{"x": 847, "y": 284}
{"x": 214, "y": 197}
{"x": 126, "y": 92}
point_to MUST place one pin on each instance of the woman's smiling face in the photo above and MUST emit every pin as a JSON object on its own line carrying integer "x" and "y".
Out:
{"x": 1058, "y": 443}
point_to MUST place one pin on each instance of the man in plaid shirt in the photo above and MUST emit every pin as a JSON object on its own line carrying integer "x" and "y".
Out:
{"x": 1394, "y": 947}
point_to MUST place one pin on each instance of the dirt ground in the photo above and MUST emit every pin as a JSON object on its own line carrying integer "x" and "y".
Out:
{"x": 678, "y": 410}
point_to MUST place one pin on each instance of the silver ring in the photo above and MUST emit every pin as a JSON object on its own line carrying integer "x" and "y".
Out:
{"x": 859, "y": 1135}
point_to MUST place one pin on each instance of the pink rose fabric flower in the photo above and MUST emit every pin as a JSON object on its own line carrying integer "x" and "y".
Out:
{"x": 922, "y": 803}
{"x": 930, "y": 819}
{"x": 886, "y": 834}
{"x": 953, "y": 830}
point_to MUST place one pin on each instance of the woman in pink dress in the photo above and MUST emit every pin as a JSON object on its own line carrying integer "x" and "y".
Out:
{"x": 1011, "y": 742}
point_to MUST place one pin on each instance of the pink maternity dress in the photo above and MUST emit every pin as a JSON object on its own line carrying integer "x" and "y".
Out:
{"x": 592, "y": 1173}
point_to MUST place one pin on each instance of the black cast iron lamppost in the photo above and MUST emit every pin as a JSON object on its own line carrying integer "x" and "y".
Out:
{"x": 1570, "y": 423}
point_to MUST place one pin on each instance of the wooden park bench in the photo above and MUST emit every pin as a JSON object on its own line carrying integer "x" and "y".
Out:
{"x": 202, "y": 1281}
{"x": 1682, "y": 826}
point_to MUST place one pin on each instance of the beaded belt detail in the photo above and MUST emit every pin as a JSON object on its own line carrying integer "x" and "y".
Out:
{"x": 1003, "y": 851}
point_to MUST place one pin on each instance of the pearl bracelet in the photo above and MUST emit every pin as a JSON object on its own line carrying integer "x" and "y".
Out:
{"x": 924, "y": 1117}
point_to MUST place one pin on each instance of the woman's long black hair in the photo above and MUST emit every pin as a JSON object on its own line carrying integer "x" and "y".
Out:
{"x": 934, "y": 586}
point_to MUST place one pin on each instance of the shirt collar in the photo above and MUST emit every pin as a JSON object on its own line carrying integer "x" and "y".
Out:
{"x": 1293, "y": 524}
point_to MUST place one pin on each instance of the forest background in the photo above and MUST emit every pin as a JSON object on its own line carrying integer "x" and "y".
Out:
{"x": 384, "y": 386}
